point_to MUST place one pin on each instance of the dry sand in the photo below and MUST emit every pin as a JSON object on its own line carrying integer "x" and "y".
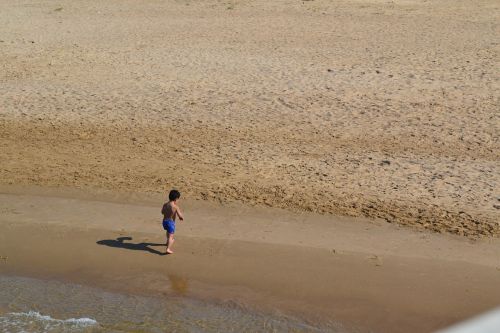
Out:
{"x": 363, "y": 108}
{"x": 378, "y": 109}
{"x": 369, "y": 276}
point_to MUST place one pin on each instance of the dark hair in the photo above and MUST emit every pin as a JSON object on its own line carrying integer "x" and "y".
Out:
{"x": 174, "y": 195}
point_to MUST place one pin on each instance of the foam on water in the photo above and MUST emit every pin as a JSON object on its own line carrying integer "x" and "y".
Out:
{"x": 35, "y": 322}
{"x": 32, "y": 305}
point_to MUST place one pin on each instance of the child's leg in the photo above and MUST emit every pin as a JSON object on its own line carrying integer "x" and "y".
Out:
{"x": 170, "y": 242}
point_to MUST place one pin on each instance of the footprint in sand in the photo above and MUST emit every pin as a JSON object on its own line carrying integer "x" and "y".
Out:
{"x": 377, "y": 259}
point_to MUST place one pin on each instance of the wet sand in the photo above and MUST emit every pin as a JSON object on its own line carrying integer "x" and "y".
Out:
{"x": 273, "y": 119}
{"x": 363, "y": 274}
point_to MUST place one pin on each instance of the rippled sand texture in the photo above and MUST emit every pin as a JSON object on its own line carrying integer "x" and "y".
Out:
{"x": 375, "y": 108}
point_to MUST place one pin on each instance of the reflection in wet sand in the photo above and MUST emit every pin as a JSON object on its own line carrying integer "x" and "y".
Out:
{"x": 179, "y": 284}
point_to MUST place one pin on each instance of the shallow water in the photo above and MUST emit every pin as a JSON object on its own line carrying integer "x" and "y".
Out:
{"x": 33, "y": 305}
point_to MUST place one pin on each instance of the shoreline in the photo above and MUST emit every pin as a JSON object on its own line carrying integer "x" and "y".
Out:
{"x": 139, "y": 312}
{"x": 346, "y": 281}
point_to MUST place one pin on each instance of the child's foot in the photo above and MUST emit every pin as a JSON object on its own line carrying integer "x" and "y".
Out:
{"x": 170, "y": 251}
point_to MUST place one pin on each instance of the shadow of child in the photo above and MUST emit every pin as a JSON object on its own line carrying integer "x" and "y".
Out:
{"x": 120, "y": 243}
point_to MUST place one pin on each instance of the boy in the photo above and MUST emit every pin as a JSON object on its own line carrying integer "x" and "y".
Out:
{"x": 170, "y": 211}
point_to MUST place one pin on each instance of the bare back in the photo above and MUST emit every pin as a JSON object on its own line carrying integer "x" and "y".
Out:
{"x": 169, "y": 211}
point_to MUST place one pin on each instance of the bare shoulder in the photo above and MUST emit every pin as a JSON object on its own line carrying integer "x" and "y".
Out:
{"x": 164, "y": 208}
{"x": 167, "y": 208}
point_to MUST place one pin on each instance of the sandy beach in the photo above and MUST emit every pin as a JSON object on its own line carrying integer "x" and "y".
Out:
{"x": 365, "y": 275}
{"x": 360, "y": 108}
{"x": 338, "y": 161}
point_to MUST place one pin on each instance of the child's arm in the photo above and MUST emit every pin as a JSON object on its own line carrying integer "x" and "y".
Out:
{"x": 179, "y": 213}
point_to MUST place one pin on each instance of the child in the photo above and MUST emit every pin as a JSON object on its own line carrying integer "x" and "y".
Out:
{"x": 170, "y": 211}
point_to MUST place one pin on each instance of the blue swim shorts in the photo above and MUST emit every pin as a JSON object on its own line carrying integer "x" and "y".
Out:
{"x": 169, "y": 226}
